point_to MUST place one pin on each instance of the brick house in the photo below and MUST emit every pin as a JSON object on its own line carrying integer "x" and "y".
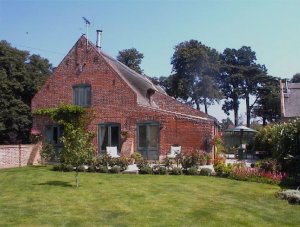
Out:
{"x": 290, "y": 100}
{"x": 125, "y": 102}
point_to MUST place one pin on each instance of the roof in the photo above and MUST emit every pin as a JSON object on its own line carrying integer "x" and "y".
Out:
{"x": 140, "y": 83}
{"x": 239, "y": 129}
{"x": 291, "y": 102}
{"x": 144, "y": 87}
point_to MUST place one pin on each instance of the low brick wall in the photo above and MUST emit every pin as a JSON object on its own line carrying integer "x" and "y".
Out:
{"x": 18, "y": 155}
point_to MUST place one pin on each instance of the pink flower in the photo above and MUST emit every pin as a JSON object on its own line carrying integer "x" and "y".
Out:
{"x": 35, "y": 132}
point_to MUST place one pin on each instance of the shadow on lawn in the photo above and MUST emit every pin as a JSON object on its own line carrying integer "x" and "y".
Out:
{"x": 57, "y": 183}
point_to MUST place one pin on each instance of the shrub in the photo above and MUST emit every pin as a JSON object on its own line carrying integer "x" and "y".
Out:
{"x": 92, "y": 169}
{"x": 192, "y": 171}
{"x": 268, "y": 165}
{"x": 142, "y": 163}
{"x": 81, "y": 168}
{"x": 136, "y": 156}
{"x": 103, "y": 169}
{"x": 176, "y": 171}
{"x": 205, "y": 171}
{"x": 256, "y": 175}
{"x": 145, "y": 170}
{"x": 292, "y": 196}
{"x": 190, "y": 161}
{"x": 123, "y": 162}
{"x": 103, "y": 160}
{"x": 115, "y": 169}
{"x": 57, "y": 167}
{"x": 167, "y": 162}
{"x": 68, "y": 168}
{"x": 161, "y": 170}
{"x": 223, "y": 170}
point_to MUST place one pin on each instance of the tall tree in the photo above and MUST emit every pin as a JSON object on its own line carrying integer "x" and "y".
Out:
{"x": 226, "y": 123}
{"x": 268, "y": 102}
{"x": 196, "y": 66}
{"x": 240, "y": 77}
{"x": 252, "y": 76}
{"x": 21, "y": 75}
{"x": 296, "y": 78}
{"x": 131, "y": 58}
{"x": 230, "y": 78}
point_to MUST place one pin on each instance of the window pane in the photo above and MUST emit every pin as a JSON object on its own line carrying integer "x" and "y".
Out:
{"x": 103, "y": 137}
{"x": 142, "y": 136}
{"x": 82, "y": 95}
{"x": 55, "y": 135}
{"x": 153, "y": 136}
{"x": 114, "y": 136}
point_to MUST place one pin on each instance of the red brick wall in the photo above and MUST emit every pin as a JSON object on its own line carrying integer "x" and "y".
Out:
{"x": 114, "y": 101}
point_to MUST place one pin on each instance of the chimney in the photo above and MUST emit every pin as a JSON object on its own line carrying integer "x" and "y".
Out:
{"x": 98, "y": 41}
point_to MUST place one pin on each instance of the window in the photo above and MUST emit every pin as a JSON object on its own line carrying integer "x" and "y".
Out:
{"x": 109, "y": 136}
{"x": 82, "y": 95}
{"x": 53, "y": 134}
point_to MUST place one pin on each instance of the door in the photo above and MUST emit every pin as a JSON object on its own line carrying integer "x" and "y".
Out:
{"x": 148, "y": 140}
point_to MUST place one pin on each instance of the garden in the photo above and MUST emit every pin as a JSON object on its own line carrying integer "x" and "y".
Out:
{"x": 39, "y": 196}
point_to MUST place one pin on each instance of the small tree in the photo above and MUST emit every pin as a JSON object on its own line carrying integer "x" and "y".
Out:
{"x": 77, "y": 142}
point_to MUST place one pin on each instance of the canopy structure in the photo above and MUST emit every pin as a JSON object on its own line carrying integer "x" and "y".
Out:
{"x": 240, "y": 129}
{"x": 238, "y": 137}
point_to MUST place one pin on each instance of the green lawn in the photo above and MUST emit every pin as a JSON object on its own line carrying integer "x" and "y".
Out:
{"x": 37, "y": 196}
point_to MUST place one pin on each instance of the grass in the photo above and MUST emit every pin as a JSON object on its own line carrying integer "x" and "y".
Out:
{"x": 37, "y": 196}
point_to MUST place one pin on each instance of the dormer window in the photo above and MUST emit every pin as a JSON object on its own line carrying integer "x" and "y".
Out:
{"x": 82, "y": 95}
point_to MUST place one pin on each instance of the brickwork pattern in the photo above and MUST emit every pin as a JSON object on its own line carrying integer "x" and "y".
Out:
{"x": 114, "y": 101}
{"x": 14, "y": 155}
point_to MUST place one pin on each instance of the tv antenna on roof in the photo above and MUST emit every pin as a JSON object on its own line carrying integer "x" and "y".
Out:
{"x": 87, "y": 24}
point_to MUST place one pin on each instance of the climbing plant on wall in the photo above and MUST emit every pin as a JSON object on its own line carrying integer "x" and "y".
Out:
{"x": 77, "y": 141}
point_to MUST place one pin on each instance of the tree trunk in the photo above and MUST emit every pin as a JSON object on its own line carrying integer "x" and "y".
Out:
{"x": 248, "y": 110}
{"x": 77, "y": 177}
{"x": 197, "y": 105}
{"x": 236, "y": 116}
{"x": 205, "y": 105}
{"x": 264, "y": 121}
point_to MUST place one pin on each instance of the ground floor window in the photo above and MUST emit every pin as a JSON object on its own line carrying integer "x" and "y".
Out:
{"x": 148, "y": 140}
{"x": 109, "y": 136}
{"x": 53, "y": 134}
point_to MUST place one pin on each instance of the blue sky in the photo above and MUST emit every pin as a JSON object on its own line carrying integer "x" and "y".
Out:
{"x": 51, "y": 27}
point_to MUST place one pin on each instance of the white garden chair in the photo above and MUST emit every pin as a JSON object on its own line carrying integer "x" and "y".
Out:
{"x": 112, "y": 152}
{"x": 175, "y": 150}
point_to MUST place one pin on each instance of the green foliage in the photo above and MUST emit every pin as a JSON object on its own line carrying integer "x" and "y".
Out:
{"x": 205, "y": 171}
{"x": 167, "y": 162}
{"x": 77, "y": 141}
{"x": 136, "y": 156}
{"x": 176, "y": 171}
{"x": 48, "y": 152}
{"x": 158, "y": 169}
{"x": 240, "y": 77}
{"x": 192, "y": 171}
{"x": 145, "y": 170}
{"x": 142, "y": 163}
{"x": 222, "y": 169}
{"x": 283, "y": 141}
{"x": 103, "y": 169}
{"x": 296, "y": 78}
{"x": 190, "y": 161}
{"x": 268, "y": 100}
{"x": 115, "y": 169}
{"x": 195, "y": 66}
{"x": 21, "y": 76}
{"x": 131, "y": 58}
